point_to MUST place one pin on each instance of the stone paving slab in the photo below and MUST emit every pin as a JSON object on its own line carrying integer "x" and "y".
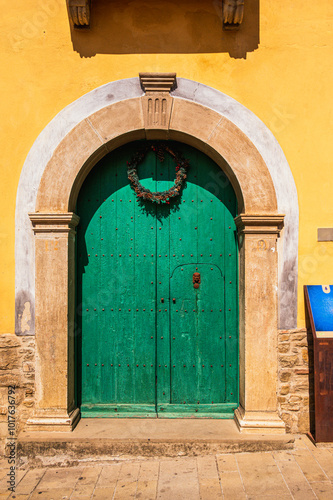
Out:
{"x": 306, "y": 472}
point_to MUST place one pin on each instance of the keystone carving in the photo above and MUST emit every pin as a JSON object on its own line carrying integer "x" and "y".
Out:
{"x": 233, "y": 11}
{"x": 79, "y": 13}
{"x": 157, "y": 102}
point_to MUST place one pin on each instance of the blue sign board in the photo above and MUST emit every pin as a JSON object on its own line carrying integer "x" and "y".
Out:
{"x": 321, "y": 301}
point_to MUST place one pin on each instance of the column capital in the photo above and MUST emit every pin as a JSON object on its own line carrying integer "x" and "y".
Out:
{"x": 259, "y": 224}
{"x": 53, "y": 222}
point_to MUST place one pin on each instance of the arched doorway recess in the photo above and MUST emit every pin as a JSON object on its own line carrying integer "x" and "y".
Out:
{"x": 54, "y": 222}
{"x": 157, "y": 288}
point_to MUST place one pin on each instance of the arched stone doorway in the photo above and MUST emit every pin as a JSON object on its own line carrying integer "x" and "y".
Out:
{"x": 54, "y": 221}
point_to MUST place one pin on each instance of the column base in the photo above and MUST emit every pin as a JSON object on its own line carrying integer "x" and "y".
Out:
{"x": 259, "y": 422}
{"x": 53, "y": 420}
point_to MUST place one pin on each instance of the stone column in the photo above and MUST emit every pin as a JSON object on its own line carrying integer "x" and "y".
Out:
{"x": 55, "y": 307}
{"x": 258, "y": 235}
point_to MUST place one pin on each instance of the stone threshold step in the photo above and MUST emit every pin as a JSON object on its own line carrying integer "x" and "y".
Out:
{"x": 107, "y": 439}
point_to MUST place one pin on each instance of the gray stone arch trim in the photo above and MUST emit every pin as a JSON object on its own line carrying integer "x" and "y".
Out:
{"x": 46, "y": 143}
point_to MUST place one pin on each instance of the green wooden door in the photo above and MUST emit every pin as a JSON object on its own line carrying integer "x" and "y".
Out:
{"x": 149, "y": 342}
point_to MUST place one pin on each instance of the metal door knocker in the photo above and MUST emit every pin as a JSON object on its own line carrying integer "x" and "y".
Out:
{"x": 196, "y": 280}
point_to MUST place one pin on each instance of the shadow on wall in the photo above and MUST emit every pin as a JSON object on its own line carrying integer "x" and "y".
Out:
{"x": 165, "y": 27}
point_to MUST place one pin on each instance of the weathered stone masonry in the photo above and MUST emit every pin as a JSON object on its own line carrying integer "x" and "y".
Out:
{"x": 295, "y": 379}
{"x": 17, "y": 367}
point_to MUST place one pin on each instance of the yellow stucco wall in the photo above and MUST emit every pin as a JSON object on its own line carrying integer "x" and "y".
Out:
{"x": 286, "y": 80}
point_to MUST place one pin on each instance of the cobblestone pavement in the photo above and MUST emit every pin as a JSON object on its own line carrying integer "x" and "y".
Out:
{"x": 303, "y": 473}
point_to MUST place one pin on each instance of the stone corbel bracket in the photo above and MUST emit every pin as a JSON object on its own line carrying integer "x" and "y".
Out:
{"x": 232, "y": 11}
{"x": 79, "y": 13}
{"x": 157, "y": 102}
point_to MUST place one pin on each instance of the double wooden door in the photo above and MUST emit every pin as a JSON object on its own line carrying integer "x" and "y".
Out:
{"x": 157, "y": 292}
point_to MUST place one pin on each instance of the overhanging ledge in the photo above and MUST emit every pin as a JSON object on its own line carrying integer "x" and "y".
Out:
{"x": 79, "y": 13}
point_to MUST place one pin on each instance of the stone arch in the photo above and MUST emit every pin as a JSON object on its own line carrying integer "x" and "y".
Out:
{"x": 122, "y": 122}
{"x": 64, "y": 163}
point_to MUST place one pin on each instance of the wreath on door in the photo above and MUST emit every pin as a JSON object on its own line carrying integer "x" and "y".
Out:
{"x": 182, "y": 166}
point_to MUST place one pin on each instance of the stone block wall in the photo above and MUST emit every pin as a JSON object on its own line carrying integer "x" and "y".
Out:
{"x": 17, "y": 368}
{"x": 295, "y": 379}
